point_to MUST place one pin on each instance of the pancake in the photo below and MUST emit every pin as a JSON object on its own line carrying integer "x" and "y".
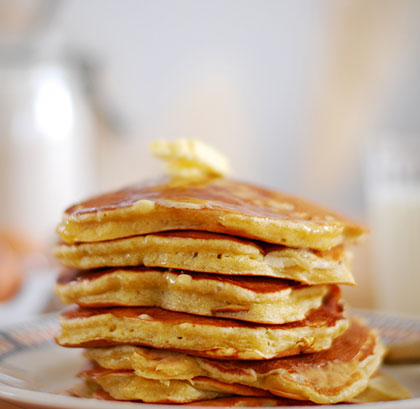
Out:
{"x": 204, "y": 336}
{"x": 96, "y": 392}
{"x": 91, "y": 389}
{"x": 126, "y": 385}
{"x": 123, "y": 385}
{"x": 334, "y": 375}
{"x": 215, "y": 205}
{"x": 255, "y": 299}
{"x": 381, "y": 387}
{"x": 212, "y": 253}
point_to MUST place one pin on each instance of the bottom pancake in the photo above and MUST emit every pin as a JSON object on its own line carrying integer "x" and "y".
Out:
{"x": 98, "y": 393}
{"x": 126, "y": 385}
{"x": 381, "y": 387}
{"x": 335, "y": 375}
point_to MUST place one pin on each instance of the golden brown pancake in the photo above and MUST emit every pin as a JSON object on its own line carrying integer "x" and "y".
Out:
{"x": 126, "y": 385}
{"x": 215, "y": 205}
{"x": 90, "y": 389}
{"x": 381, "y": 387}
{"x": 334, "y": 375}
{"x": 205, "y": 336}
{"x": 255, "y": 299}
{"x": 212, "y": 253}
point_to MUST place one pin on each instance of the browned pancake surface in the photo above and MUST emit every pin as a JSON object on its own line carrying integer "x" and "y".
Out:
{"x": 217, "y": 194}
{"x": 357, "y": 340}
{"x": 216, "y": 205}
{"x": 325, "y": 316}
{"x": 255, "y": 284}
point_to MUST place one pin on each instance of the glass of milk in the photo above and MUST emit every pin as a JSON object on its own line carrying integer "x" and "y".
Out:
{"x": 393, "y": 203}
{"x": 46, "y": 140}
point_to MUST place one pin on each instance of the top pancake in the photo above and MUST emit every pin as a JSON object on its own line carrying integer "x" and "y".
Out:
{"x": 216, "y": 205}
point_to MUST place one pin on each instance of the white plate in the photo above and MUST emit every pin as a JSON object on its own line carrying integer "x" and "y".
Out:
{"x": 42, "y": 371}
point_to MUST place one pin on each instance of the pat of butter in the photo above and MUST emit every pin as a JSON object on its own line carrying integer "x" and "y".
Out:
{"x": 146, "y": 317}
{"x": 189, "y": 158}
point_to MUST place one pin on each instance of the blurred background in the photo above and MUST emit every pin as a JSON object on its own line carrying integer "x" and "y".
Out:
{"x": 320, "y": 99}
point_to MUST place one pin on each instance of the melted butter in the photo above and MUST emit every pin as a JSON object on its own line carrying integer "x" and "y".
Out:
{"x": 145, "y": 317}
{"x": 184, "y": 280}
{"x": 144, "y": 206}
{"x": 182, "y": 204}
{"x": 234, "y": 199}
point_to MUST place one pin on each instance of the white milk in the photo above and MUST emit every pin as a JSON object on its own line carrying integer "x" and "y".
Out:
{"x": 394, "y": 216}
{"x": 393, "y": 199}
{"x": 45, "y": 144}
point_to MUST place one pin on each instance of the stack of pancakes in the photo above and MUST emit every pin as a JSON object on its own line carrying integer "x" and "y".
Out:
{"x": 206, "y": 290}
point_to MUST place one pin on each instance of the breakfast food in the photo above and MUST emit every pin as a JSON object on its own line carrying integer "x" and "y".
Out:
{"x": 380, "y": 387}
{"x": 254, "y": 299}
{"x": 216, "y": 205}
{"x": 212, "y": 253}
{"x": 198, "y": 288}
{"x": 203, "y": 336}
{"x": 336, "y": 374}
